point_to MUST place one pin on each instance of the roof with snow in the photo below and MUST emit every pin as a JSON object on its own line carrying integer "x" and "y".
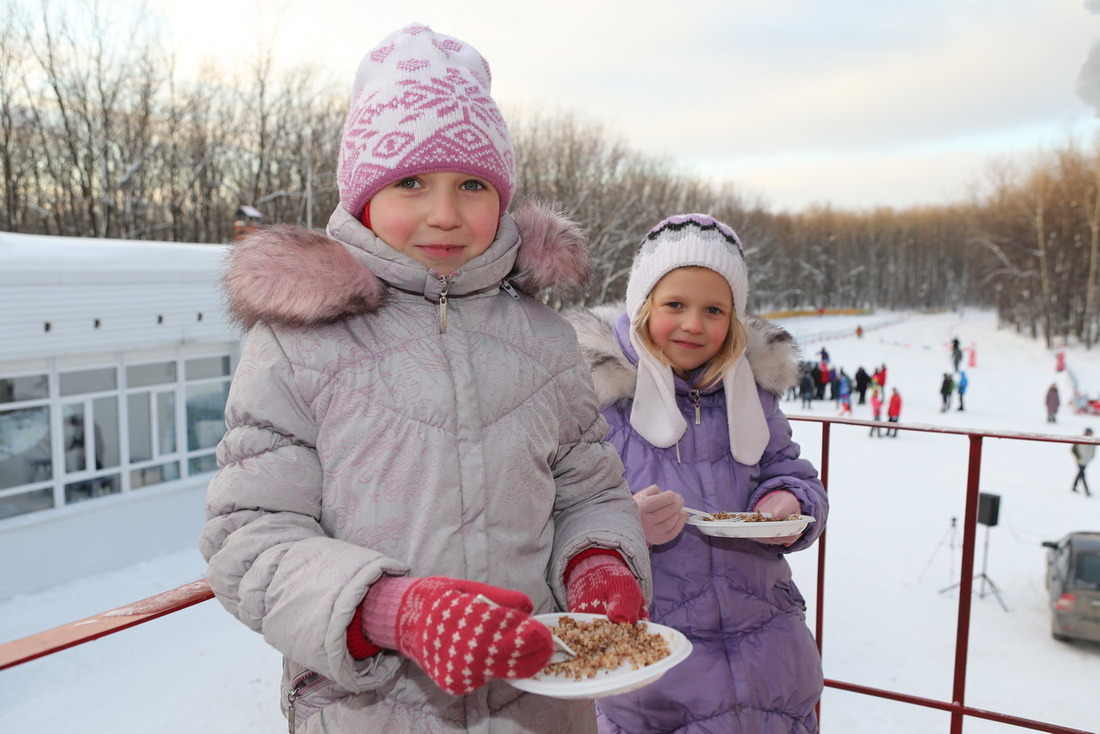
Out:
{"x": 73, "y": 295}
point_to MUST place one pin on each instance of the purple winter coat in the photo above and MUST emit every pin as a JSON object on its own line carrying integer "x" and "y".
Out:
{"x": 754, "y": 667}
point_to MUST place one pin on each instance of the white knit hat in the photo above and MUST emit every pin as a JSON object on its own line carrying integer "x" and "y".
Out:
{"x": 421, "y": 103}
{"x": 684, "y": 241}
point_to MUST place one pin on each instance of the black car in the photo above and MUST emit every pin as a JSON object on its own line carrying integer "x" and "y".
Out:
{"x": 1073, "y": 580}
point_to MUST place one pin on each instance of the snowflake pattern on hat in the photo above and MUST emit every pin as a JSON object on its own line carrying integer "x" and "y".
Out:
{"x": 421, "y": 103}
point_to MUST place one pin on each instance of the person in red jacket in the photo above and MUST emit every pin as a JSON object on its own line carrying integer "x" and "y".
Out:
{"x": 893, "y": 412}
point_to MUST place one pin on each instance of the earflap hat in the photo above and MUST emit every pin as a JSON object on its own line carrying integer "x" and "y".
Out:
{"x": 421, "y": 103}
{"x": 692, "y": 240}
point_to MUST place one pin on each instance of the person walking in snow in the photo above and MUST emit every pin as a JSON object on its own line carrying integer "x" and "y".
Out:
{"x": 1053, "y": 401}
{"x": 863, "y": 381}
{"x": 876, "y": 408}
{"x": 893, "y": 412}
{"x": 415, "y": 463}
{"x": 947, "y": 389}
{"x": 844, "y": 391}
{"x": 964, "y": 383}
{"x": 824, "y": 380}
{"x": 1083, "y": 453}
{"x": 956, "y": 353}
{"x": 806, "y": 389}
{"x": 689, "y": 384}
{"x": 880, "y": 375}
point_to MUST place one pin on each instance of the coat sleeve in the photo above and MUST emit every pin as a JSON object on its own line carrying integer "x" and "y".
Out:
{"x": 270, "y": 563}
{"x": 782, "y": 467}
{"x": 594, "y": 506}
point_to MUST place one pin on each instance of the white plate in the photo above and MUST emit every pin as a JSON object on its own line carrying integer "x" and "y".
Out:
{"x": 742, "y": 529}
{"x": 606, "y": 682}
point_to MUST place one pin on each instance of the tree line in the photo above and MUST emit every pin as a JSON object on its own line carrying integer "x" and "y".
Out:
{"x": 101, "y": 136}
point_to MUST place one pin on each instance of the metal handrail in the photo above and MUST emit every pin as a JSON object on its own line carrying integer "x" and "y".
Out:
{"x": 957, "y": 706}
{"x": 51, "y": 641}
{"x": 61, "y": 638}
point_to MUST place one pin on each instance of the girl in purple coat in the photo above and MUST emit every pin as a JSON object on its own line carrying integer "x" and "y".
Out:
{"x": 690, "y": 387}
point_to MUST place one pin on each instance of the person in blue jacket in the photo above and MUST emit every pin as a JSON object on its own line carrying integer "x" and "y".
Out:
{"x": 964, "y": 382}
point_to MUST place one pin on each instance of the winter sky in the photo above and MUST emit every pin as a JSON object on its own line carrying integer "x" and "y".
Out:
{"x": 855, "y": 103}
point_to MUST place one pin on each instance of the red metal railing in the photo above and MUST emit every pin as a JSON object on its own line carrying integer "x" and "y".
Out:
{"x": 55, "y": 640}
{"x": 957, "y": 706}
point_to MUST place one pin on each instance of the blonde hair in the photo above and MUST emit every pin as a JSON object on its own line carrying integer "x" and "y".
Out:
{"x": 737, "y": 340}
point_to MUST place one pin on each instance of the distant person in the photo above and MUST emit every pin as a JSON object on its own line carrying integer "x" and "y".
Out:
{"x": 806, "y": 389}
{"x": 859, "y": 331}
{"x": 863, "y": 381}
{"x": 964, "y": 382}
{"x": 956, "y": 353}
{"x": 880, "y": 375}
{"x": 1083, "y": 453}
{"x": 844, "y": 391}
{"x": 876, "y": 409}
{"x": 824, "y": 355}
{"x": 947, "y": 389}
{"x": 824, "y": 380}
{"x": 1054, "y": 400}
{"x": 893, "y": 412}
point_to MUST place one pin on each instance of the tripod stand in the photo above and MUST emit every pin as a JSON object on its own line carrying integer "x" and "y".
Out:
{"x": 986, "y": 581}
{"x": 951, "y": 537}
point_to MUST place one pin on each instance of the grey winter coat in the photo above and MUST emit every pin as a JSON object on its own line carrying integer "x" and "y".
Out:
{"x": 754, "y": 667}
{"x": 364, "y": 439}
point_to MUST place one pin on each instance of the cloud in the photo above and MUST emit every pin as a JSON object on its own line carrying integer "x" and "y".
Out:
{"x": 712, "y": 84}
{"x": 1088, "y": 80}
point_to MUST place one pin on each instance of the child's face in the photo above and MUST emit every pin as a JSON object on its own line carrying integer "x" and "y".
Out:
{"x": 691, "y": 316}
{"x": 441, "y": 220}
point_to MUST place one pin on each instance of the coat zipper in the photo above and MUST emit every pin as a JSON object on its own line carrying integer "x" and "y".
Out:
{"x": 507, "y": 287}
{"x": 300, "y": 686}
{"x": 443, "y": 306}
{"x": 695, "y": 394}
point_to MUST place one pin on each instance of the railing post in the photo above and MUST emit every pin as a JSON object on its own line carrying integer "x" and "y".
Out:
{"x": 966, "y": 583}
{"x": 819, "y": 623}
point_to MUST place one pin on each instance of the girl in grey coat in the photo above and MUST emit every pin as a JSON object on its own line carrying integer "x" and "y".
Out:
{"x": 415, "y": 462}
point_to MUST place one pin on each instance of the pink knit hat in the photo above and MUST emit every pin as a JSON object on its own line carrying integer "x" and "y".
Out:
{"x": 421, "y": 104}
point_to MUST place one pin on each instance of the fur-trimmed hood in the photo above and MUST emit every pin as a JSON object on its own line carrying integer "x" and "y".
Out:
{"x": 772, "y": 353}
{"x": 299, "y": 277}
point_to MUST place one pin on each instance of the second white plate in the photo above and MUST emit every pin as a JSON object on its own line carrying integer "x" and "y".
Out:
{"x": 742, "y": 529}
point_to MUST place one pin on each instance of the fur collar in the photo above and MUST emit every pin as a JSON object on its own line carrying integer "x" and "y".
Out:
{"x": 300, "y": 277}
{"x": 772, "y": 353}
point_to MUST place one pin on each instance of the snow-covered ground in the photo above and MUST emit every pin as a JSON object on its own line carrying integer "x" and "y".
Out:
{"x": 892, "y": 560}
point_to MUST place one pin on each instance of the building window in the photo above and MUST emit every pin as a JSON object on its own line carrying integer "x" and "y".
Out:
{"x": 81, "y": 432}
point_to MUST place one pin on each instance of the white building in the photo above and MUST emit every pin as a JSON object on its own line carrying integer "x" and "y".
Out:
{"x": 115, "y": 363}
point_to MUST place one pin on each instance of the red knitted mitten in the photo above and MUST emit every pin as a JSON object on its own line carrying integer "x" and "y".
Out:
{"x": 599, "y": 582}
{"x": 462, "y": 642}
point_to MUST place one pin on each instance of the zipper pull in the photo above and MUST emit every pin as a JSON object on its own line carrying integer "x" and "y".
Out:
{"x": 509, "y": 289}
{"x": 698, "y": 410}
{"x": 443, "y": 306}
{"x": 297, "y": 686}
